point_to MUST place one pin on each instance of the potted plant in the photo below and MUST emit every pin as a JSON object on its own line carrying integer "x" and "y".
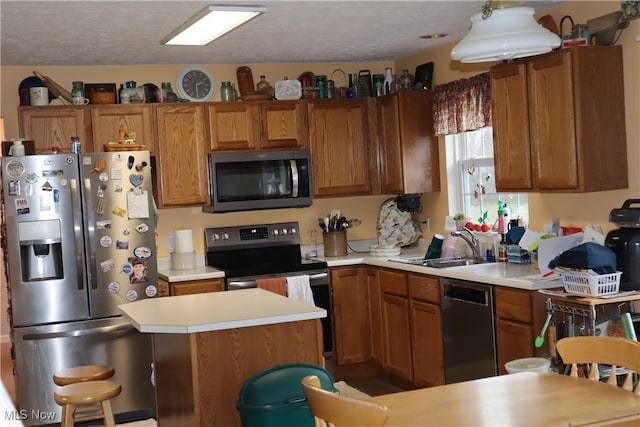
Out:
{"x": 460, "y": 220}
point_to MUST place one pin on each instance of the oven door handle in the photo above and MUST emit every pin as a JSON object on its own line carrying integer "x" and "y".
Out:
{"x": 241, "y": 284}
{"x": 251, "y": 283}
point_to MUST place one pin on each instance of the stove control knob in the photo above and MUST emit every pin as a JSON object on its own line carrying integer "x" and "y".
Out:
{"x": 293, "y": 230}
{"x": 225, "y": 236}
{"x": 275, "y": 232}
{"x": 216, "y": 236}
{"x": 284, "y": 231}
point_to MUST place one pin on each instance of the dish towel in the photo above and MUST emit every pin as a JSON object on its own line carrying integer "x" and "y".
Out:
{"x": 298, "y": 288}
{"x": 277, "y": 285}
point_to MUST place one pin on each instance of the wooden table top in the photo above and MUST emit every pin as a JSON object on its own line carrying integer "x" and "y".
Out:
{"x": 523, "y": 399}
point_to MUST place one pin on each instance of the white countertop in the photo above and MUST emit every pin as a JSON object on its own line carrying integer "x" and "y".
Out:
{"x": 496, "y": 273}
{"x": 216, "y": 311}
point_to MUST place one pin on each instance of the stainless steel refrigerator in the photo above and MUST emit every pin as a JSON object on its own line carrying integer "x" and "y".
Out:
{"x": 79, "y": 241}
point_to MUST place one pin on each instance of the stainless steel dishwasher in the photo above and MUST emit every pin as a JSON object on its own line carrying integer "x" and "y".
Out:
{"x": 468, "y": 330}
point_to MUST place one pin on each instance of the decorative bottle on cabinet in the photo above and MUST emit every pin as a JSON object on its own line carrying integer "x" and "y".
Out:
{"x": 226, "y": 91}
{"x": 77, "y": 92}
{"x": 264, "y": 87}
{"x": 131, "y": 94}
{"x": 388, "y": 80}
{"x": 406, "y": 80}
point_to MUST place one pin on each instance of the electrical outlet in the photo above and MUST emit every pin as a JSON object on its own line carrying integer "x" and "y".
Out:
{"x": 171, "y": 243}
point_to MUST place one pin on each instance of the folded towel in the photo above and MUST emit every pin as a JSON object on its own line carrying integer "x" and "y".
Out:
{"x": 298, "y": 288}
{"x": 277, "y": 285}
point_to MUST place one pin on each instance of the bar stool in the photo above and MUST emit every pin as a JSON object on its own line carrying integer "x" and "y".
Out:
{"x": 97, "y": 394}
{"x": 83, "y": 373}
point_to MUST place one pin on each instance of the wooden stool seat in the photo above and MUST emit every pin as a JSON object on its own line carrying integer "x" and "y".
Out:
{"x": 97, "y": 394}
{"x": 83, "y": 373}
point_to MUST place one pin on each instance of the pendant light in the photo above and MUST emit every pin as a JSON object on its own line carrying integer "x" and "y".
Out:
{"x": 504, "y": 33}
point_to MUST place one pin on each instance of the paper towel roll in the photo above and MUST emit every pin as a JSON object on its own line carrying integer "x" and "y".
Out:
{"x": 184, "y": 241}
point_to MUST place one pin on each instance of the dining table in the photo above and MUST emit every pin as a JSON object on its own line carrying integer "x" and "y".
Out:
{"x": 523, "y": 399}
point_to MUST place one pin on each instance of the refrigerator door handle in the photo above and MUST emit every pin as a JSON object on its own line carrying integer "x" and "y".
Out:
{"x": 91, "y": 253}
{"x": 77, "y": 230}
{"x": 79, "y": 333}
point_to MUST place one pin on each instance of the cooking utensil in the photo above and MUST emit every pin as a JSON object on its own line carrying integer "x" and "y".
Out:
{"x": 57, "y": 90}
{"x": 540, "y": 338}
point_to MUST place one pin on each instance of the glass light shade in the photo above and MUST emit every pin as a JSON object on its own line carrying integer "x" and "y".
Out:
{"x": 508, "y": 33}
{"x": 211, "y": 23}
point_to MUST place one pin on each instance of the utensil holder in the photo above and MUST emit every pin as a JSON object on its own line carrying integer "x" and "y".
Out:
{"x": 335, "y": 243}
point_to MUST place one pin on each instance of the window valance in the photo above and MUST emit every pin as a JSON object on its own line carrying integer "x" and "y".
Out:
{"x": 462, "y": 105}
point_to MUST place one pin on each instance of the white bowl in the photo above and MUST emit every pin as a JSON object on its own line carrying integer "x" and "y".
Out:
{"x": 528, "y": 364}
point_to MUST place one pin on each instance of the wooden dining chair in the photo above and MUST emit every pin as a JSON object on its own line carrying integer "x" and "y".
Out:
{"x": 615, "y": 351}
{"x": 334, "y": 410}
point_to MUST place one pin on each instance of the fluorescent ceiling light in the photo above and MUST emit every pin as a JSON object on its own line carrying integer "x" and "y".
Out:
{"x": 211, "y": 23}
{"x": 506, "y": 33}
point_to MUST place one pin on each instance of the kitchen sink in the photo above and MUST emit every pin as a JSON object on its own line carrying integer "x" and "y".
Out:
{"x": 440, "y": 262}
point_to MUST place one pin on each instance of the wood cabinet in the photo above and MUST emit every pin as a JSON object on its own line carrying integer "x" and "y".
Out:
{"x": 283, "y": 124}
{"x": 190, "y": 287}
{"x": 374, "y": 297}
{"x": 107, "y": 121}
{"x": 351, "y": 316}
{"x": 339, "y": 137}
{"x": 181, "y": 162}
{"x": 233, "y": 125}
{"x": 559, "y": 121}
{"x": 426, "y": 330}
{"x": 409, "y": 160}
{"x": 53, "y": 126}
{"x": 396, "y": 327}
{"x": 241, "y": 126}
{"x": 519, "y": 318}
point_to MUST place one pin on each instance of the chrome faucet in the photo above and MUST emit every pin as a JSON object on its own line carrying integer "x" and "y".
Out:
{"x": 472, "y": 242}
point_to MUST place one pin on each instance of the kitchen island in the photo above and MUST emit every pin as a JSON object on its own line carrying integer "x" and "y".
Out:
{"x": 206, "y": 345}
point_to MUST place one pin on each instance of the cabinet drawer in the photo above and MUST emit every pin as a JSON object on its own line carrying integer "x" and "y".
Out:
{"x": 513, "y": 304}
{"x": 424, "y": 288}
{"x": 393, "y": 282}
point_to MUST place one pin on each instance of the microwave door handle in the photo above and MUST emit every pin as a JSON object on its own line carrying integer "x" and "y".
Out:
{"x": 294, "y": 178}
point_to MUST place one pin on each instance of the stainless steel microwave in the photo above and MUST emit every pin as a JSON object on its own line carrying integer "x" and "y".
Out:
{"x": 243, "y": 181}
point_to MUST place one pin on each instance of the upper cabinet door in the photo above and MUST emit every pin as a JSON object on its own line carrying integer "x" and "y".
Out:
{"x": 510, "y": 119}
{"x": 339, "y": 140}
{"x": 110, "y": 121}
{"x": 570, "y": 120}
{"x": 283, "y": 124}
{"x": 53, "y": 126}
{"x": 233, "y": 125}
{"x": 181, "y": 165}
{"x": 552, "y": 118}
{"x": 408, "y": 149}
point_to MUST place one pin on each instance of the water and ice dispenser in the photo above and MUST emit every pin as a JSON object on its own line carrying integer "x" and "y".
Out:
{"x": 40, "y": 250}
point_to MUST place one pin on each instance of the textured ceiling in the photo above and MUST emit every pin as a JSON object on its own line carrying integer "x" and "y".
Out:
{"x": 129, "y": 32}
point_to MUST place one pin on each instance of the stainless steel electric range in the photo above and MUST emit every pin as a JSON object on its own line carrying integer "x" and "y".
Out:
{"x": 250, "y": 252}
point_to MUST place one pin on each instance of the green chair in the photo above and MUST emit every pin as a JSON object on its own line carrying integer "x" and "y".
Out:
{"x": 275, "y": 397}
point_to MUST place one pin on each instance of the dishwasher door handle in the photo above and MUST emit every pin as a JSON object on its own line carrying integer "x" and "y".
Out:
{"x": 467, "y": 295}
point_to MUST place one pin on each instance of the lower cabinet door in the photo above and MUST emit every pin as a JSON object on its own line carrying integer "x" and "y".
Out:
{"x": 395, "y": 314}
{"x": 514, "y": 341}
{"x": 428, "y": 356}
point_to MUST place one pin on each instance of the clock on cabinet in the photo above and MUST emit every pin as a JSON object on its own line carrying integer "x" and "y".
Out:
{"x": 196, "y": 84}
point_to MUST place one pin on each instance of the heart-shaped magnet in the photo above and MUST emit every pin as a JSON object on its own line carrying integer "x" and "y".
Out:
{"x": 136, "y": 179}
